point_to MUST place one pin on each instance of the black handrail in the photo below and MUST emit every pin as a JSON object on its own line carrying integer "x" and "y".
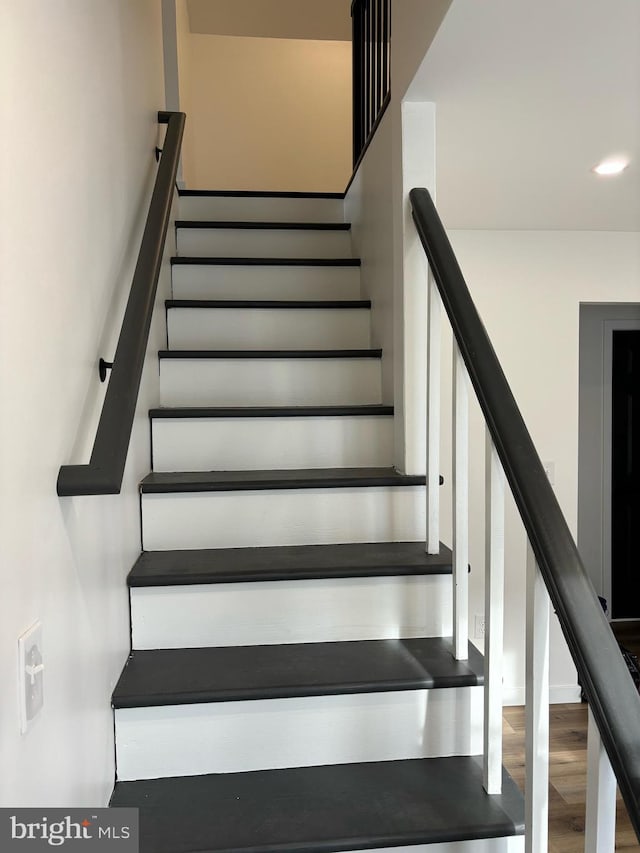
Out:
{"x": 371, "y": 27}
{"x": 603, "y": 674}
{"x": 103, "y": 475}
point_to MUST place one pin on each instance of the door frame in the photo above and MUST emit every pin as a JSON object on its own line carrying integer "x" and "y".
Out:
{"x": 598, "y": 321}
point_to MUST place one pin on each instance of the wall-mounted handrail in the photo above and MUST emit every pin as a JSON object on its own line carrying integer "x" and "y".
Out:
{"x": 105, "y": 470}
{"x": 611, "y": 694}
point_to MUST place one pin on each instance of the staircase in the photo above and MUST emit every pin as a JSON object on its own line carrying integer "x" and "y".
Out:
{"x": 291, "y": 685}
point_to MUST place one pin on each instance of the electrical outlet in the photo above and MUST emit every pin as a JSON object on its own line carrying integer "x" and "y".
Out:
{"x": 478, "y": 626}
{"x": 30, "y": 675}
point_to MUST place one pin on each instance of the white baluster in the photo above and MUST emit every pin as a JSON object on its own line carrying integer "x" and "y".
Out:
{"x": 600, "y": 823}
{"x": 494, "y": 619}
{"x": 537, "y": 710}
{"x": 460, "y": 506}
{"x": 433, "y": 419}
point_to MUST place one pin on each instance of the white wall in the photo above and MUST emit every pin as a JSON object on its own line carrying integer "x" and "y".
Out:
{"x": 369, "y": 207}
{"x": 528, "y": 287}
{"x": 414, "y": 165}
{"x": 524, "y": 112}
{"x": 414, "y": 25}
{"x": 81, "y": 84}
{"x": 400, "y": 156}
{"x": 267, "y": 114}
{"x": 551, "y": 265}
{"x": 385, "y": 240}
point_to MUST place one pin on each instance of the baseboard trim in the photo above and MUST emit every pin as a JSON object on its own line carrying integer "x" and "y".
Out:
{"x": 191, "y": 193}
{"x": 558, "y": 695}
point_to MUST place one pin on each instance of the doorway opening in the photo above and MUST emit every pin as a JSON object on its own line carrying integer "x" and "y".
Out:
{"x": 625, "y": 472}
{"x": 608, "y": 449}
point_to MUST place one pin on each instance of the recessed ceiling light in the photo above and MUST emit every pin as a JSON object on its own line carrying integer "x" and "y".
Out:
{"x": 613, "y": 166}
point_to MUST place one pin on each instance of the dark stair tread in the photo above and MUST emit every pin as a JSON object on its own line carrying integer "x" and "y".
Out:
{"x": 306, "y": 304}
{"x": 191, "y": 260}
{"x": 234, "y": 673}
{"x": 323, "y": 809}
{"x": 306, "y": 478}
{"x": 375, "y": 410}
{"x": 245, "y": 225}
{"x": 256, "y": 194}
{"x": 287, "y": 562}
{"x": 260, "y": 353}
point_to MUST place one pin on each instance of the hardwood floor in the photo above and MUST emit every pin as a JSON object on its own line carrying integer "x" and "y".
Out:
{"x": 628, "y": 634}
{"x": 567, "y": 776}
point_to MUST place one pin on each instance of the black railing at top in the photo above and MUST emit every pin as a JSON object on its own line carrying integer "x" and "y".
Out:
{"x": 371, "y": 21}
{"x": 603, "y": 674}
{"x": 103, "y": 474}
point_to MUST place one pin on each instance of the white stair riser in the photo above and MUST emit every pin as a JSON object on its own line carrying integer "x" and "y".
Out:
{"x": 268, "y": 328}
{"x": 282, "y": 517}
{"x": 235, "y": 444}
{"x": 263, "y": 243}
{"x": 256, "y": 209}
{"x": 222, "y": 281}
{"x": 304, "y": 611}
{"x": 270, "y": 382}
{"x": 229, "y": 737}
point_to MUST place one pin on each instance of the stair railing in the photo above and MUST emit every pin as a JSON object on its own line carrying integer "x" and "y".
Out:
{"x": 105, "y": 470}
{"x": 555, "y": 574}
{"x": 371, "y": 27}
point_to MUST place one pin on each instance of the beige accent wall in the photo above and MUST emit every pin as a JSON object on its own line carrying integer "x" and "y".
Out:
{"x": 267, "y": 114}
{"x": 183, "y": 46}
{"x": 294, "y": 19}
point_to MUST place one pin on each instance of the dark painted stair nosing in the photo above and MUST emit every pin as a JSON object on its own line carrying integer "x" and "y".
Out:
{"x": 304, "y": 304}
{"x": 323, "y": 809}
{"x": 287, "y": 562}
{"x": 263, "y": 226}
{"x": 152, "y": 678}
{"x": 248, "y": 353}
{"x": 363, "y": 411}
{"x": 190, "y": 260}
{"x": 254, "y": 194}
{"x": 311, "y": 478}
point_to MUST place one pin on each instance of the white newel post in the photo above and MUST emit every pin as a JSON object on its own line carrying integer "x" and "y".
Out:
{"x": 537, "y": 710}
{"x": 494, "y": 619}
{"x": 460, "y": 506}
{"x": 600, "y": 823}
{"x": 433, "y": 417}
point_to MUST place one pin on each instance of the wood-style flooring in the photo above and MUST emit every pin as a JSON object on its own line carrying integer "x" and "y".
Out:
{"x": 627, "y": 633}
{"x": 567, "y": 776}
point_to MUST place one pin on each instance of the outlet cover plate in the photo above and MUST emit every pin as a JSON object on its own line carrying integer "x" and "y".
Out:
{"x": 30, "y": 675}
{"x": 478, "y": 626}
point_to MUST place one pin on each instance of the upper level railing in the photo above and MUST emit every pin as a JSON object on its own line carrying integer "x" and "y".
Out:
{"x": 554, "y": 568}
{"x": 105, "y": 470}
{"x": 371, "y": 21}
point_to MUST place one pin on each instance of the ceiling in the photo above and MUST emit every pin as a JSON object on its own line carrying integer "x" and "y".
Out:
{"x": 530, "y": 96}
{"x": 293, "y": 19}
